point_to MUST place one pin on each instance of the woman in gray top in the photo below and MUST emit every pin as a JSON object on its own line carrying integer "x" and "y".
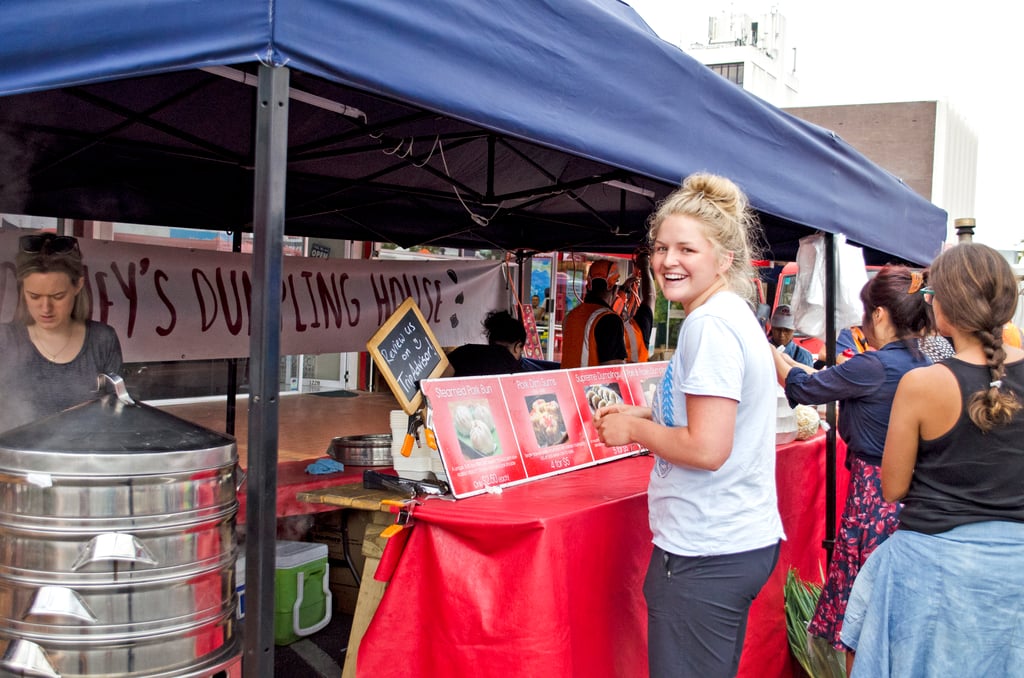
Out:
{"x": 51, "y": 354}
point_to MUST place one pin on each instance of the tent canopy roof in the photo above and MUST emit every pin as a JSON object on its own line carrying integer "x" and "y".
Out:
{"x": 468, "y": 123}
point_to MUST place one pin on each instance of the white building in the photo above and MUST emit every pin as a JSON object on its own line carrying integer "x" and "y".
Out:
{"x": 926, "y": 144}
{"x": 751, "y": 51}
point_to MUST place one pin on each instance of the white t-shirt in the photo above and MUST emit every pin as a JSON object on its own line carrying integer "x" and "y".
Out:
{"x": 721, "y": 352}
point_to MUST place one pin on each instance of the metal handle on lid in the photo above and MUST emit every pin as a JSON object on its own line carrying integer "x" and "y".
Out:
{"x": 120, "y": 390}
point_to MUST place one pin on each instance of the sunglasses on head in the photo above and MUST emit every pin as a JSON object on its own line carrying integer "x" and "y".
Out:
{"x": 48, "y": 243}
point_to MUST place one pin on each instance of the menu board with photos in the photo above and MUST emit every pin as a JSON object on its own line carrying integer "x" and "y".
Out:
{"x": 505, "y": 430}
{"x": 546, "y": 422}
{"x": 597, "y": 387}
{"x": 643, "y": 380}
{"x": 532, "y": 347}
{"x": 474, "y": 434}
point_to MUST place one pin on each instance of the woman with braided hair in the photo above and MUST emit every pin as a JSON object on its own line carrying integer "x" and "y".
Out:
{"x": 945, "y": 594}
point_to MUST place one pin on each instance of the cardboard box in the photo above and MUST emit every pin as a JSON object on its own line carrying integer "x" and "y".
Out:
{"x": 362, "y": 526}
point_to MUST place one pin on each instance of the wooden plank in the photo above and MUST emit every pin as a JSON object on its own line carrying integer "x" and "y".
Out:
{"x": 370, "y": 593}
{"x": 307, "y": 423}
{"x": 351, "y": 495}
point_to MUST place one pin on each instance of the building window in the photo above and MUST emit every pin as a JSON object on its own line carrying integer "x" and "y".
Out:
{"x": 731, "y": 72}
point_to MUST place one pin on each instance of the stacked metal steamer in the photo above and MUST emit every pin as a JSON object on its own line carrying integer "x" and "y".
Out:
{"x": 117, "y": 544}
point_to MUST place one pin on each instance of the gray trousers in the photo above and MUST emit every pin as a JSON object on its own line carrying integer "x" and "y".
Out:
{"x": 697, "y": 610}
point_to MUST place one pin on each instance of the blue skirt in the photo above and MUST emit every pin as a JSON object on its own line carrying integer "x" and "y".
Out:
{"x": 949, "y": 604}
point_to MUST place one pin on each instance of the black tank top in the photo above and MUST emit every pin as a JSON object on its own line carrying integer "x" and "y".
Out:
{"x": 967, "y": 476}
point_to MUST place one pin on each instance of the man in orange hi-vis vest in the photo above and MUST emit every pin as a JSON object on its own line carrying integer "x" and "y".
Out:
{"x": 638, "y": 314}
{"x": 595, "y": 334}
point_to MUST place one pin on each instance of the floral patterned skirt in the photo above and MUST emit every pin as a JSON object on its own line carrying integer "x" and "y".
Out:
{"x": 867, "y": 521}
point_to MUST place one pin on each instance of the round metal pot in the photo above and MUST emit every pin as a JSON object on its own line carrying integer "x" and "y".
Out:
{"x": 141, "y": 553}
{"x": 117, "y": 544}
{"x": 372, "y": 449}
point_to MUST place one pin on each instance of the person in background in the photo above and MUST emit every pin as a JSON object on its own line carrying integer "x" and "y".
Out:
{"x": 638, "y": 316}
{"x": 782, "y": 336}
{"x": 540, "y": 312}
{"x": 711, "y": 496}
{"x": 895, "y": 315}
{"x": 592, "y": 333}
{"x": 936, "y": 346}
{"x": 851, "y": 340}
{"x": 502, "y": 354}
{"x": 944, "y": 596}
{"x": 52, "y": 353}
{"x": 849, "y": 343}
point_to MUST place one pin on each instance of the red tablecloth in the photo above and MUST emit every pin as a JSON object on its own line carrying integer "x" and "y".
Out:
{"x": 541, "y": 581}
{"x": 545, "y": 579}
{"x": 800, "y": 480}
{"x": 292, "y": 479}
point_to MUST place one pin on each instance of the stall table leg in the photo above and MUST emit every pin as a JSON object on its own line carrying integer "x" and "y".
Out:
{"x": 370, "y": 592}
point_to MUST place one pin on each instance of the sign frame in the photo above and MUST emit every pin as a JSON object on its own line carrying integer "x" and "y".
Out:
{"x": 407, "y": 311}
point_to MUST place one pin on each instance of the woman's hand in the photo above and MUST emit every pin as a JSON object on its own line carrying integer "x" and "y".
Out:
{"x": 614, "y": 423}
{"x": 783, "y": 364}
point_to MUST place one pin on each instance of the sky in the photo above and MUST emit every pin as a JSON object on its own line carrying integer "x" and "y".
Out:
{"x": 902, "y": 50}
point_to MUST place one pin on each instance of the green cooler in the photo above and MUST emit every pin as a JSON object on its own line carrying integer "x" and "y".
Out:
{"x": 302, "y": 594}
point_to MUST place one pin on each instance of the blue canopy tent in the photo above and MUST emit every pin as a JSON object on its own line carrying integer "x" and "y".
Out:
{"x": 519, "y": 113}
{"x": 533, "y": 125}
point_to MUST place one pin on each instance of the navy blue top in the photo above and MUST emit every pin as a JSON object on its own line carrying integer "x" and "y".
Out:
{"x": 864, "y": 385}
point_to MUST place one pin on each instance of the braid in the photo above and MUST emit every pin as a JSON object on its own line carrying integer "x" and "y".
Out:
{"x": 992, "y": 406}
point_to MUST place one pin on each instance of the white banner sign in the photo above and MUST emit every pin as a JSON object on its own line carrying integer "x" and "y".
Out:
{"x": 169, "y": 303}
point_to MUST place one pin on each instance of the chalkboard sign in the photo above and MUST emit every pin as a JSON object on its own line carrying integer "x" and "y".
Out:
{"x": 406, "y": 352}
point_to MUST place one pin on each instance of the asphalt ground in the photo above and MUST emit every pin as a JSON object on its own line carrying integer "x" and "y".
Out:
{"x": 321, "y": 654}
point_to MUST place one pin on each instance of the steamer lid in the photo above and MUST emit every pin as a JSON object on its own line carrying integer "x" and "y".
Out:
{"x": 108, "y": 436}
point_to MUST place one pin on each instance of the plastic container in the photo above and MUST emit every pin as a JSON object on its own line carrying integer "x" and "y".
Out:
{"x": 302, "y": 594}
{"x": 785, "y": 420}
{"x": 240, "y": 587}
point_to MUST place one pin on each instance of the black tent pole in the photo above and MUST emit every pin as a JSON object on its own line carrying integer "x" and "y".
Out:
{"x": 264, "y": 357}
{"x": 831, "y": 279}
{"x": 232, "y": 382}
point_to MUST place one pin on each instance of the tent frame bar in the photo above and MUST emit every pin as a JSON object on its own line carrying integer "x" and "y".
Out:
{"x": 265, "y": 351}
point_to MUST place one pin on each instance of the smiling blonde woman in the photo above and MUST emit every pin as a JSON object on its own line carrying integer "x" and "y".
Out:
{"x": 711, "y": 496}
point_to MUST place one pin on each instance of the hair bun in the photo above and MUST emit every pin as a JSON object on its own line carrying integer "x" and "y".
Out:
{"x": 720, "y": 191}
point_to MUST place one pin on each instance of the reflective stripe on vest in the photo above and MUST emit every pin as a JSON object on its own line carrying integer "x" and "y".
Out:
{"x": 636, "y": 347}
{"x": 589, "y": 338}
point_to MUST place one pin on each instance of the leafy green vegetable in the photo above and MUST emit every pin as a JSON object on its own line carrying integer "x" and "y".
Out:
{"x": 815, "y": 655}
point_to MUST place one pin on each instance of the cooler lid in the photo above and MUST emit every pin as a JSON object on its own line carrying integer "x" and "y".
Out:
{"x": 291, "y": 554}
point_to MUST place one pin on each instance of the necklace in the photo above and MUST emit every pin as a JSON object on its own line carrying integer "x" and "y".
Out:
{"x": 52, "y": 357}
